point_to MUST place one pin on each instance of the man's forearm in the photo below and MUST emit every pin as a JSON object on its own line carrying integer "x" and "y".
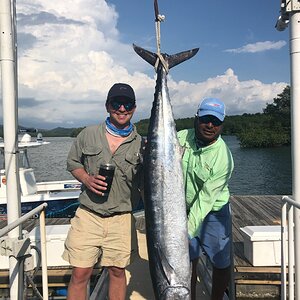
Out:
{"x": 80, "y": 174}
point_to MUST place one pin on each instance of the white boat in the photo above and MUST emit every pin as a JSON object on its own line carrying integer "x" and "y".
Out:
{"x": 61, "y": 196}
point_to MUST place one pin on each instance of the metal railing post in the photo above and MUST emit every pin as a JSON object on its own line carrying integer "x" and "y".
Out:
{"x": 283, "y": 251}
{"x": 232, "y": 279}
{"x": 40, "y": 209}
{"x": 288, "y": 232}
{"x": 291, "y": 251}
{"x": 44, "y": 254}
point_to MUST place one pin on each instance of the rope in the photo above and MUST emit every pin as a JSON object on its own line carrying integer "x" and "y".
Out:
{"x": 158, "y": 19}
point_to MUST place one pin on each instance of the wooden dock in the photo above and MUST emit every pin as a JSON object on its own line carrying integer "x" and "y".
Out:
{"x": 249, "y": 281}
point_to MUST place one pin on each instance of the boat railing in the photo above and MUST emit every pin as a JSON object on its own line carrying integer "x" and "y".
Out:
{"x": 288, "y": 251}
{"x": 40, "y": 210}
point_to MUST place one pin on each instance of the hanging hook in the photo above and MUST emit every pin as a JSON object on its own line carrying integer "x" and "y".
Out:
{"x": 159, "y": 18}
{"x": 156, "y": 10}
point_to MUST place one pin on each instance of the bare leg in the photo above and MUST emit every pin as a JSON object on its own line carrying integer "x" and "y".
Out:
{"x": 220, "y": 282}
{"x": 194, "y": 279}
{"x": 117, "y": 283}
{"x": 78, "y": 284}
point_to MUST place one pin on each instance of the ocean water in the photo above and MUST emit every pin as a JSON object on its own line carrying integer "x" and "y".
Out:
{"x": 257, "y": 171}
{"x": 265, "y": 171}
{"x": 50, "y": 161}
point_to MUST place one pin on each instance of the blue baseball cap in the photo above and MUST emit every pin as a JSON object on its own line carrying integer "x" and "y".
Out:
{"x": 212, "y": 106}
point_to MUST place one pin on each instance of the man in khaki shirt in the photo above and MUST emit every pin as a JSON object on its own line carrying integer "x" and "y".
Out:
{"x": 103, "y": 227}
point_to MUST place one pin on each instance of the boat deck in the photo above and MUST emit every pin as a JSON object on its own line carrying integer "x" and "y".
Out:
{"x": 249, "y": 280}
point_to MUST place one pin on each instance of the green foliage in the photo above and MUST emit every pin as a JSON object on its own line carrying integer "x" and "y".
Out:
{"x": 76, "y": 131}
{"x": 270, "y": 129}
{"x": 280, "y": 109}
{"x": 59, "y": 131}
{"x": 184, "y": 123}
{"x": 263, "y": 138}
{"x": 142, "y": 127}
{"x": 281, "y": 105}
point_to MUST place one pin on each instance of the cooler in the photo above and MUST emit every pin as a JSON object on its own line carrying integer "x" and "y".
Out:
{"x": 55, "y": 238}
{"x": 262, "y": 245}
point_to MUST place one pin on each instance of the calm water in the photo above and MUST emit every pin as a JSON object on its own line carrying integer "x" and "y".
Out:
{"x": 257, "y": 171}
{"x": 260, "y": 171}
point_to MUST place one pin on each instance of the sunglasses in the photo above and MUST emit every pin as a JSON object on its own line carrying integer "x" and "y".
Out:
{"x": 127, "y": 105}
{"x": 210, "y": 119}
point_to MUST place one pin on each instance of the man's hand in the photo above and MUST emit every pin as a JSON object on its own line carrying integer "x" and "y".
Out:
{"x": 96, "y": 183}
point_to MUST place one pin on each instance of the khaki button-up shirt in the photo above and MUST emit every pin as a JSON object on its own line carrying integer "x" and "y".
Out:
{"x": 89, "y": 150}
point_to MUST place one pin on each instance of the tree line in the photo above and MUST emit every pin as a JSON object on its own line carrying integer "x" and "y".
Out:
{"x": 271, "y": 128}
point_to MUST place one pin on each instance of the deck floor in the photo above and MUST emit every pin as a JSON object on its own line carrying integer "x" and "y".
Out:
{"x": 246, "y": 211}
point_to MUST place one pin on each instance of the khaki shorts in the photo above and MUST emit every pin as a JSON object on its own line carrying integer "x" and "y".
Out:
{"x": 112, "y": 241}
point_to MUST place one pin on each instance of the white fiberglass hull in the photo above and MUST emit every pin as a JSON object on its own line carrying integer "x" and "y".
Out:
{"x": 61, "y": 197}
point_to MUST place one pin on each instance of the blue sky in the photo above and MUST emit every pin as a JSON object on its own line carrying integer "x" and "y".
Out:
{"x": 221, "y": 29}
{"x": 71, "y": 52}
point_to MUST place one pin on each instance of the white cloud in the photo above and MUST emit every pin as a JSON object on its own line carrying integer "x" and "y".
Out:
{"x": 240, "y": 97}
{"x": 74, "y": 54}
{"x": 258, "y": 47}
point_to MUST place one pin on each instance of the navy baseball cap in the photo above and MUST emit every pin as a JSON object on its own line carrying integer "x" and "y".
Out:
{"x": 212, "y": 106}
{"x": 121, "y": 91}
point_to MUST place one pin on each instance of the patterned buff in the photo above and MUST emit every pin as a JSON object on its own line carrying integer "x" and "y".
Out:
{"x": 113, "y": 130}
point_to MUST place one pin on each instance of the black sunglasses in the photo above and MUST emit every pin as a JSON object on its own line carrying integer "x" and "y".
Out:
{"x": 127, "y": 105}
{"x": 210, "y": 119}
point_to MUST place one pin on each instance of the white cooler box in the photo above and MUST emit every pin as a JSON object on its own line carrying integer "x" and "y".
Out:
{"x": 55, "y": 238}
{"x": 262, "y": 245}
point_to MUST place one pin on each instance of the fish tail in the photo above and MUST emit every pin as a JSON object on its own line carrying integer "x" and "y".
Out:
{"x": 172, "y": 60}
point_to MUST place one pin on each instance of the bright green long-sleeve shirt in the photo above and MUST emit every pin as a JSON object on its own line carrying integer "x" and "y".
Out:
{"x": 206, "y": 174}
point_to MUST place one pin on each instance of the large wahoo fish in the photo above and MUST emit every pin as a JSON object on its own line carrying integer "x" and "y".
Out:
{"x": 165, "y": 209}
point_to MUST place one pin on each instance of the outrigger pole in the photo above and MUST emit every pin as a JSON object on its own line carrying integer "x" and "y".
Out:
{"x": 290, "y": 15}
{"x": 8, "y": 62}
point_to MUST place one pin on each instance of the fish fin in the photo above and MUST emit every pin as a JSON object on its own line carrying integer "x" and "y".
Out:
{"x": 166, "y": 269}
{"x": 172, "y": 60}
{"x": 148, "y": 56}
{"x": 176, "y": 59}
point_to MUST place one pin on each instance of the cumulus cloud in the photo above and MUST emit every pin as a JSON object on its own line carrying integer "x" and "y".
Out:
{"x": 70, "y": 54}
{"x": 258, "y": 47}
{"x": 248, "y": 96}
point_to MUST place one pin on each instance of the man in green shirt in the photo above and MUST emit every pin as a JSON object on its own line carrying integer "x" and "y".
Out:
{"x": 103, "y": 227}
{"x": 207, "y": 166}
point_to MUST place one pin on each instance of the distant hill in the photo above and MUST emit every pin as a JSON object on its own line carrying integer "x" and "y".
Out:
{"x": 59, "y": 131}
